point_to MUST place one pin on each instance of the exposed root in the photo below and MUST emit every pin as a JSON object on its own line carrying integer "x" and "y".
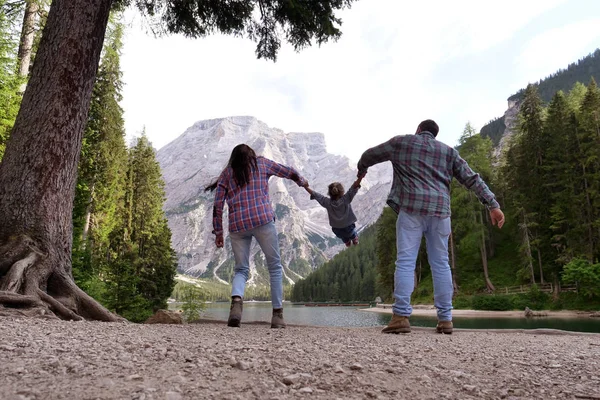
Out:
{"x": 18, "y": 300}
{"x": 14, "y": 278}
{"x": 91, "y": 309}
{"x": 64, "y": 290}
{"x": 57, "y": 307}
{"x": 15, "y": 249}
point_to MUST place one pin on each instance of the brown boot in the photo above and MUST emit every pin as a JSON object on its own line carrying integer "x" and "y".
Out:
{"x": 235, "y": 312}
{"x": 398, "y": 324}
{"x": 444, "y": 327}
{"x": 277, "y": 319}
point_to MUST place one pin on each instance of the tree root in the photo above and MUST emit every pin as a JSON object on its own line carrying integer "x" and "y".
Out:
{"x": 15, "y": 249}
{"x": 57, "y": 307}
{"x": 89, "y": 308}
{"x": 14, "y": 278}
{"x": 36, "y": 284}
{"x": 18, "y": 300}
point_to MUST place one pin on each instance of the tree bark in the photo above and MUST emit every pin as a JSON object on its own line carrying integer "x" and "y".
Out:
{"x": 39, "y": 169}
{"x": 525, "y": 228}
{"x": 539, "y": 254}
{"x": 26, "y": 41}
{"x": 483, "y": 253}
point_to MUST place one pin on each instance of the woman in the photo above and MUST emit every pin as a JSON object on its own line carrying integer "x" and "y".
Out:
{"x": 244, "y": 185}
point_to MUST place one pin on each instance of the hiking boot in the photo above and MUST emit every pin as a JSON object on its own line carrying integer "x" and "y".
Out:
{"x": 355, "y": 240}
{"x": 444, "y": 327}
{"x": 277, "y": 319}
{"x": 235, "y": 312}
{"x": 398, "y": 324}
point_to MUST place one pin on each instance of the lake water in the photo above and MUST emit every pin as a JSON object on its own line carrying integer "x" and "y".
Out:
{"x": 353, "y": 317}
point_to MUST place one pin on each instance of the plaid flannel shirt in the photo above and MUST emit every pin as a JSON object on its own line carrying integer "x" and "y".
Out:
{"x": 249, "y": 206}
{"x": 423, "y": 170}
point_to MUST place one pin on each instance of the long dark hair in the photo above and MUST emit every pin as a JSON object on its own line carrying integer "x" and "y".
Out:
{"x": 242, "y": 161}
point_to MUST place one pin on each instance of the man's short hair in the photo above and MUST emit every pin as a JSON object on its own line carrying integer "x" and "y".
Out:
{"x": 429, "y": 125}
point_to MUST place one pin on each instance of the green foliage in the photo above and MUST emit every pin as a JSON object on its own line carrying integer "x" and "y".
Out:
{"x": 386, "y": 253}
{"x": 585, "y": 275}
{"x": 349, "y": 276}
{"x": 492, "y": 302}
{"x": 122, "y": 251}
{"x": 300, "y": 22}
{"x": 192, "y": 299}
{"x": 535, "y": 299}
{"x": 10, "y": 98}
{"x": 564, "y": 79}
{"x": 494, "y": 130}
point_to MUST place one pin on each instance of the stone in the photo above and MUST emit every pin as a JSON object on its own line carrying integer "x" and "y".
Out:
{"x": 165, "y": 317}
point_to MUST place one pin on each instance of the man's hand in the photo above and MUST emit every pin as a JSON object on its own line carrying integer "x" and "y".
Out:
{"x": 497, "y": 217}
{"x": 219, "y": 241}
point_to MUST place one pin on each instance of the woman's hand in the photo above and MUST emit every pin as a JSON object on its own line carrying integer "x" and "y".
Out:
{"x": 219, "y": 241}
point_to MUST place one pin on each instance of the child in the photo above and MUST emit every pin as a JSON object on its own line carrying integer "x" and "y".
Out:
{"x": 339, "y": 210}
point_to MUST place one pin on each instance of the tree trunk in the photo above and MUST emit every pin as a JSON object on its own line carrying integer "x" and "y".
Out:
{"x": 483, "y": 253}
{"x": 527, "y": 246}
{"x": 39, "y": 169}
{"x": 26, "y": 42}
{"x": 539, "y": 253}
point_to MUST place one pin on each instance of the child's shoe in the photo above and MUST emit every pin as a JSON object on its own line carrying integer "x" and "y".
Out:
{"x": 348, "y": 243}
{"x": 355, "y": 240}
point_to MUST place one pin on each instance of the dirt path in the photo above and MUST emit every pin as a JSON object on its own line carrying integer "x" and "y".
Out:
{"x": 47, "y": 359}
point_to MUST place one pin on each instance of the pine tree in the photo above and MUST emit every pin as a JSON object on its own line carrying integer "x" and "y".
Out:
{"x": 589, "y": 144}
{"x": 102, "y": 168}
{"x": 527, "y": 190}
{"x": 9, "y": 79}
{"x": 155, "y": 263}
{"x": 564, "y": 173}
{"x": 469, "y": 228}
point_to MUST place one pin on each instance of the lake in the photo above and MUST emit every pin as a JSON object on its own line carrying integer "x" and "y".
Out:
{"x": 353, "y": 317}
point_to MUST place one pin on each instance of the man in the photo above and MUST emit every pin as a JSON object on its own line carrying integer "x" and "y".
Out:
{"x": 420, "y": 195}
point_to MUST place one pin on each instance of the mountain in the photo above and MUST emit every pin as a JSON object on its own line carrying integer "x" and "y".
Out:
{"x": 197, "y": 157}
{"x": 500, "y": 129}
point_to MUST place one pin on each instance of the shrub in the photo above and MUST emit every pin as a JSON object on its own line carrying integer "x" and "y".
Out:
{"x": 492, "y": 302}
{"x": 462, "y": 302}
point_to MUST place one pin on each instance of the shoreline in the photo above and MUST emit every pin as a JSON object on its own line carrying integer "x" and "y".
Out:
{"x": 430, "y": 311}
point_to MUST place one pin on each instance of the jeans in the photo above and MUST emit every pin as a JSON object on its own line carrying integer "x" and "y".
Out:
{"x": 266, "y": 236}
{"x": 346, "y": 234}
{"x": 409, "y": 231}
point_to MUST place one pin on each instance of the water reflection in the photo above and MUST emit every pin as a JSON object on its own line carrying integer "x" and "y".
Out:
{"x": 353, "y": 317}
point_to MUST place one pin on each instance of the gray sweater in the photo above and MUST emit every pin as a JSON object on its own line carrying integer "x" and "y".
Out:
{"x": 339, "y": 211}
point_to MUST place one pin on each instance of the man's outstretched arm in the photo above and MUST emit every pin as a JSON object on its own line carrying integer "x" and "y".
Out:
{"x": 376, "y": 155}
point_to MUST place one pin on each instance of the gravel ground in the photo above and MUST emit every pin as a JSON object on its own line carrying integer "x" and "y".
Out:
{"x": 51, "y": 359}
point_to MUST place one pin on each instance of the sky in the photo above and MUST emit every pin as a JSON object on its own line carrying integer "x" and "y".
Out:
{"x": 396, "y": 64}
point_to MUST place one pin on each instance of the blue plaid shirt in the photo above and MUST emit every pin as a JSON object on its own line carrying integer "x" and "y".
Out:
{"x": 423, "y": 170}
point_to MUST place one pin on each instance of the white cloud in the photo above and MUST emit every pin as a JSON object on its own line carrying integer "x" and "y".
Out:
{"x": 545, "y": 53}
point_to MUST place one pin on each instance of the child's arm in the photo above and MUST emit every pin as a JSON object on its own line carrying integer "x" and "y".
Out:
{"x": 349, "y": 196}
{"x": 309, "y": 190}
{"x": 356, "y": 183}
{"x": 322, "y": 200}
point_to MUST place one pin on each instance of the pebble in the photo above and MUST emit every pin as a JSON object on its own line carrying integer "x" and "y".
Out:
{"x": 356, "y": 367}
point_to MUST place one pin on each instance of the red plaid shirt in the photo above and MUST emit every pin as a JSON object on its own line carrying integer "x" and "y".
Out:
{"x": 249, "y": 206}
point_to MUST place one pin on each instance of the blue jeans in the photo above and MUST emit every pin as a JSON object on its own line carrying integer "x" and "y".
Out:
{"x": 266, "y": 236}
{"x": 409, "y": 231}
{"x": 346, "y": 234}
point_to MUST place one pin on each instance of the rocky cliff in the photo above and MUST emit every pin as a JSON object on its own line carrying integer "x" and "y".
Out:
{"x": 198, "y": 156}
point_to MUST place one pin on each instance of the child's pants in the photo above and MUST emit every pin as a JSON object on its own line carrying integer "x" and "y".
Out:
{"x": 346, "y": 234}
